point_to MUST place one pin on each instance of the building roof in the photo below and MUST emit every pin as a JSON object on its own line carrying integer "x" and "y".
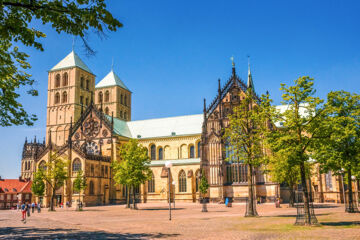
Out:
{"x": 111, "y": 79}
{"x": 15, "y": 186}
{"x": 71, "y": 60}
{"x": 165, "y": 127}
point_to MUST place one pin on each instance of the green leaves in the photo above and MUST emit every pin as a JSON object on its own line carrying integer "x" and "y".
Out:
{"x": 133, "y": 168}
{"x": 38, "y": 185}
{"x": 79, "y": 182}
{"x": 73, "y": 17}
{"x": 204, "y": 185}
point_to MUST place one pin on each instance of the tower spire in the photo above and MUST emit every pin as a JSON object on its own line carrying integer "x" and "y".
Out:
{"x": 112, "y": 64}
{"x": 250, "y": 83}
{"x": 233, "y": 65}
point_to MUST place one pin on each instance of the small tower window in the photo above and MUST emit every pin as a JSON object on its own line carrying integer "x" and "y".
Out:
{"x": 107, "y": 111}
{"x": 64, "y": 97}
{"x": 65, "y": 79}
{"x": 57, "y": 98}
{"x": 121, "y": 99}
{"x": 100, "y": 99}
{"x": 82, "y": 82}
{"x": 81, "y": 100}
{"x": 107, "y": 96}
{"x": 125, "y": 115}
{"x": 87, "y": 84}
{"x": 125, "y": 100}
{"x": 87, "y": 101}
{"x": 57, "y": 80}
{"x": 121, "y": 114}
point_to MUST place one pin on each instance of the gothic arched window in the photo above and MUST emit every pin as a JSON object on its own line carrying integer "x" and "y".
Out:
{"x": 64, "y": 97}
{"x": 153, "y": 152}
{"x": 92, "y": 172}
{"x": 151, "y": 184}
{"x": 161, "y": 157}
{"x": 198, "y": 149}
{"x": 42, "y": 165}
{"x": 192, "y": 151}
{"x": 182, "y": 181}
{"x": 100, "y": 99}
{"x": 76, "y": 166}
{"x": 107, "y": 96}
{"x": 91, "y": 188}
{"x": 57, "y": 80}
{"x": 65, "y": 79}
{"x": 57, "y": 98}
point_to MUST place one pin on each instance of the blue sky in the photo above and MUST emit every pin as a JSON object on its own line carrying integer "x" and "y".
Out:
{"x": 171, "y": 53}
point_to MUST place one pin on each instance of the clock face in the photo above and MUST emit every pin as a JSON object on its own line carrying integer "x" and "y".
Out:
{"x": 91, "y": 148}
{"x": 91, "y": 128}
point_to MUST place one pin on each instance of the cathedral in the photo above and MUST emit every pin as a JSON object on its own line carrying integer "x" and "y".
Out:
{"x": 87, "y": 122}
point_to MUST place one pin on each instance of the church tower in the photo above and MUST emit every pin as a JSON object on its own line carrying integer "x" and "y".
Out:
{"x": 112, "y": 96}
{"x": 71, "y": 85}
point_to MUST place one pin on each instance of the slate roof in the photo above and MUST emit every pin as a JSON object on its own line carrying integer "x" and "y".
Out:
{"x": 15, "y": 186}
{"x": 111, "y": 79}
{"x": 71, "y": 60}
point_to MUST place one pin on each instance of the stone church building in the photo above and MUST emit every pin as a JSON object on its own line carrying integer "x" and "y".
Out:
{"x": 88, "y": 122}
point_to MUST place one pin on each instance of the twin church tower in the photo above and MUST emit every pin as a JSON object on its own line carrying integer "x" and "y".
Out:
{"x": 71, "y": 88}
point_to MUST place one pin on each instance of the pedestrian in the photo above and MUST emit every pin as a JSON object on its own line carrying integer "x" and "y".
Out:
{"x": 33, "y": 207}
{"x": 17, "y": 207}
{"x": 23, "y": 212}
{"x": 28, "y": 206}
{"x": 81, "y": 205}
{"x": 39, "y": 207}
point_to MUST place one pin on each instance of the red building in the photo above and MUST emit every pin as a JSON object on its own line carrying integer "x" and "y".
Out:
{"x": 13, "y": 191}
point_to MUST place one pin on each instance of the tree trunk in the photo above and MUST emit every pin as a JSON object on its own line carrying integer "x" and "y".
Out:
{"x": 292, "y": 195}
{"x": 251, "y": 206}
{"x": 350, "y": 207}
{"x": 307, "y": 214}
{"x": 127, "y": 189}
{"x": 134, "y": 196}
{"x": 52, "y": 200}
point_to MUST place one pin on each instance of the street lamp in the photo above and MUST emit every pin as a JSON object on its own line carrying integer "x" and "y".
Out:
{"x": 168, "y": 165}
{"x": 173, "y": 182}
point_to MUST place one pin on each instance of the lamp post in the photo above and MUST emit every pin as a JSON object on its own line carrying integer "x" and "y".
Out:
{"x": 173, "y": 182}
{"x": 168, "y": 165}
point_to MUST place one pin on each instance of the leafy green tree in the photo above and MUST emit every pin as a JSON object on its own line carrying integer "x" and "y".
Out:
{"x": 54, "y": 173}
{"x": 75, "y": 17}
{"x": 133, "y": 168}
{"x": 244, "y": 137}
{"x": 38, "y": 185}
{"x": 203, "y": 188}
{"x": 282, "y": 171}
{"x": 341, "y": 150}
{"x": 302, "y": 122}
{"x": 79, "y": 183}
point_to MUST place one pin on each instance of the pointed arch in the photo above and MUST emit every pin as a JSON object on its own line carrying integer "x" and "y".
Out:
{"x": 57, "y": 80}
{"x": 64, "y": 97}
{"x": 182, "y": 181}
{"x": 57, "y": 98}
{"x": 76, "y": 166}
{"x": 65, "y": 79}
{"x": 107, "y": 96}
{"x": 191, "y": 151}
{"x": 100, "y": 97}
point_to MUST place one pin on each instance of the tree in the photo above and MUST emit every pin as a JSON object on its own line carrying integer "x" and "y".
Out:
{"x": 79, "y": 184}
{"x": 282, "y": 171}
{"x": 341, "y": 149}
{"x": 203, "y": 188}
{"x": 244, "y": 137}
{"x": 133, "y": 168}
{"x": 38, "y": 185}
{"x": 75, "y": 17}
{"x": 302, "y": 122}
{"x": 54, "y": 173}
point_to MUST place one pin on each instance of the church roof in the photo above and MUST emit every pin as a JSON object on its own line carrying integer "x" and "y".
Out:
{"x": 166, "y": 127}
{"x": 111, "y": 79}
{"x": 71, "y": 60}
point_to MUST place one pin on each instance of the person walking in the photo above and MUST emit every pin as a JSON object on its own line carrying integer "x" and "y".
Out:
{"x": 23, "y": 212}
{"x": 33, "y": 207}
{"x": 28, "y": 206}
{"x": 39, "y": 207}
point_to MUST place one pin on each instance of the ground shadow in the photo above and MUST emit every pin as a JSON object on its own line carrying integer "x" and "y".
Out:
{"x": 349, "y": 223}
{"x": 294, "y": 215}
{"x": 160, "y": 208}
{"x": 58, "y": 233}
